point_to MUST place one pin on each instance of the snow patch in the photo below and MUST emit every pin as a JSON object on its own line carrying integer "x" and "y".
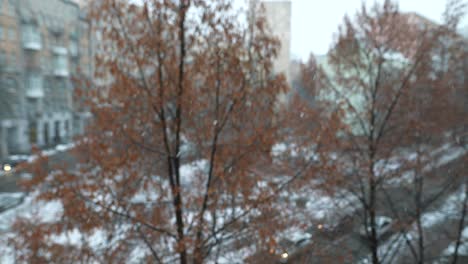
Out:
{"x": 191, "y": 171}
{"x": 45, "y": 212}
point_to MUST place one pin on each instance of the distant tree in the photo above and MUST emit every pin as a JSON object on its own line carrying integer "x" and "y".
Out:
{"x": 183, "y": 123}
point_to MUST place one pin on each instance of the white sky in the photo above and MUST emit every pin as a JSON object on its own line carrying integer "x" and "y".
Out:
{"x": 314, "y": 22}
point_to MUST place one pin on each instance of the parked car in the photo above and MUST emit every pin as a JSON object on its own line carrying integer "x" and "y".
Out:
{"x": 6, "y": 167}
{"x": 292, "y": 243}
{"x": 383, "y": 225}
{"x": 9, "y": 164}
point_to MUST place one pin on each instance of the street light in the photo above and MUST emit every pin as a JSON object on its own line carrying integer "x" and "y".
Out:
{"x": 285, "y": 255}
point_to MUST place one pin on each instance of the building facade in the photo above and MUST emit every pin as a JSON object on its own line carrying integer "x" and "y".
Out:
{"x": 278, "y": 17}
{"x": 44, "y": 45}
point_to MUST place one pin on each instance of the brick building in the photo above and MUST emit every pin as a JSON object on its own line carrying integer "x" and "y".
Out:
{"x": 43, "y": 45}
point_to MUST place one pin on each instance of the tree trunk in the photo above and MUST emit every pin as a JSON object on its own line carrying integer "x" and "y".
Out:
{"x": 374, "y": 241}
{"x": 419, "y": 184}
{"x": 461, "y": 224}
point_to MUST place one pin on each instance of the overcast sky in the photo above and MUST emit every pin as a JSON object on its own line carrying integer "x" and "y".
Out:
{"x": 315, "y": 21}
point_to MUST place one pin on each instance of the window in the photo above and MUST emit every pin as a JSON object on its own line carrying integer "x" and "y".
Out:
{"x": 12, "y": 59}
{"x": 67, "y": 128}
{"x": 11, "y": 34}
{"x": 57, "y": 132}
{"x": 46, "y": 133}
{"x": 9, "y": 86}
{"x": 74, "y": 66}
{"x": 45, "y": 63}
{"x": 34, "y": 85}
{"x": 73, "y": 48}
{"x": 2, "y": 57}
{"x": 56, "y": 38}
{"x": 84, "y": 50}
{"x": 31, "y": 37}
{"x": 35, "y": 81}
{"x": 33, "y": 133}
{"x": 10, "y": 8}
{"x": 60, "y": 65}
{"x": 12, "y": 137}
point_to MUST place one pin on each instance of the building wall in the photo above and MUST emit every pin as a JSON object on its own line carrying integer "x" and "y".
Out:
{"x": 13, "y": 124}
{"x": 278, "y": 16}
{"x": 356, "y": 99}
{"x": 43, "y": 44}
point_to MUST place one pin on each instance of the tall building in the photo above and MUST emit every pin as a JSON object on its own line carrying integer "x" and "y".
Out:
{"x": 278, "y": 17}
{"x": 43, "y": 46}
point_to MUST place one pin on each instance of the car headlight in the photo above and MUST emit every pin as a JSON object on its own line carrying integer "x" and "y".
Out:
{"x": 7, "y": 167}
{"x": 284, "y": 255}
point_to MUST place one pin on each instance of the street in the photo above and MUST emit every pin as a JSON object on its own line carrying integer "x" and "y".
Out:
{"x": 347, "y": 246}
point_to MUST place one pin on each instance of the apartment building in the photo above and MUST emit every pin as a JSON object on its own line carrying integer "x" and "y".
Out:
{"x": 277, "y": 14}
{"x": 44, "y": 46}
{"x": 278, "y": 17}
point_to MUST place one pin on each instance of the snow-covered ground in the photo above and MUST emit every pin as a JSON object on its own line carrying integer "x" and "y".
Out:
{"x": 47, "y": 152}
{"x": 438, "y": 157}
{"x": 235, "y": 256}
{"x": 194, "y": 172}
{"x": 59, "y": 148}
{"x": 318, "y": 207}
{"x": 450, "y": 209}
{"x": 49, "y": 212}
{"x": 25, "y": 206}
{"x": 39, "y": 211}
{"x": 293, "y": 150}
{"x": 10, "y": 200}
{"x": 462, "y": 249}
{"x": 324, "y": 207}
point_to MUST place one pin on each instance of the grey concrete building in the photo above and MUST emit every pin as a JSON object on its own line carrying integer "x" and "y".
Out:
{"x": 42, "y": 46}
{"x": 278, "y": 16}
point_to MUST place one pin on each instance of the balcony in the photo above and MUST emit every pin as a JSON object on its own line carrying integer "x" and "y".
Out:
{"x": 31, "y": 38}
{"x": 61, "y": 73}
{"x": 61, "y": 65}
{"x": 35, "y": 93}
{"x": 30, "y": 45}
{"x": 59, "y": 51}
